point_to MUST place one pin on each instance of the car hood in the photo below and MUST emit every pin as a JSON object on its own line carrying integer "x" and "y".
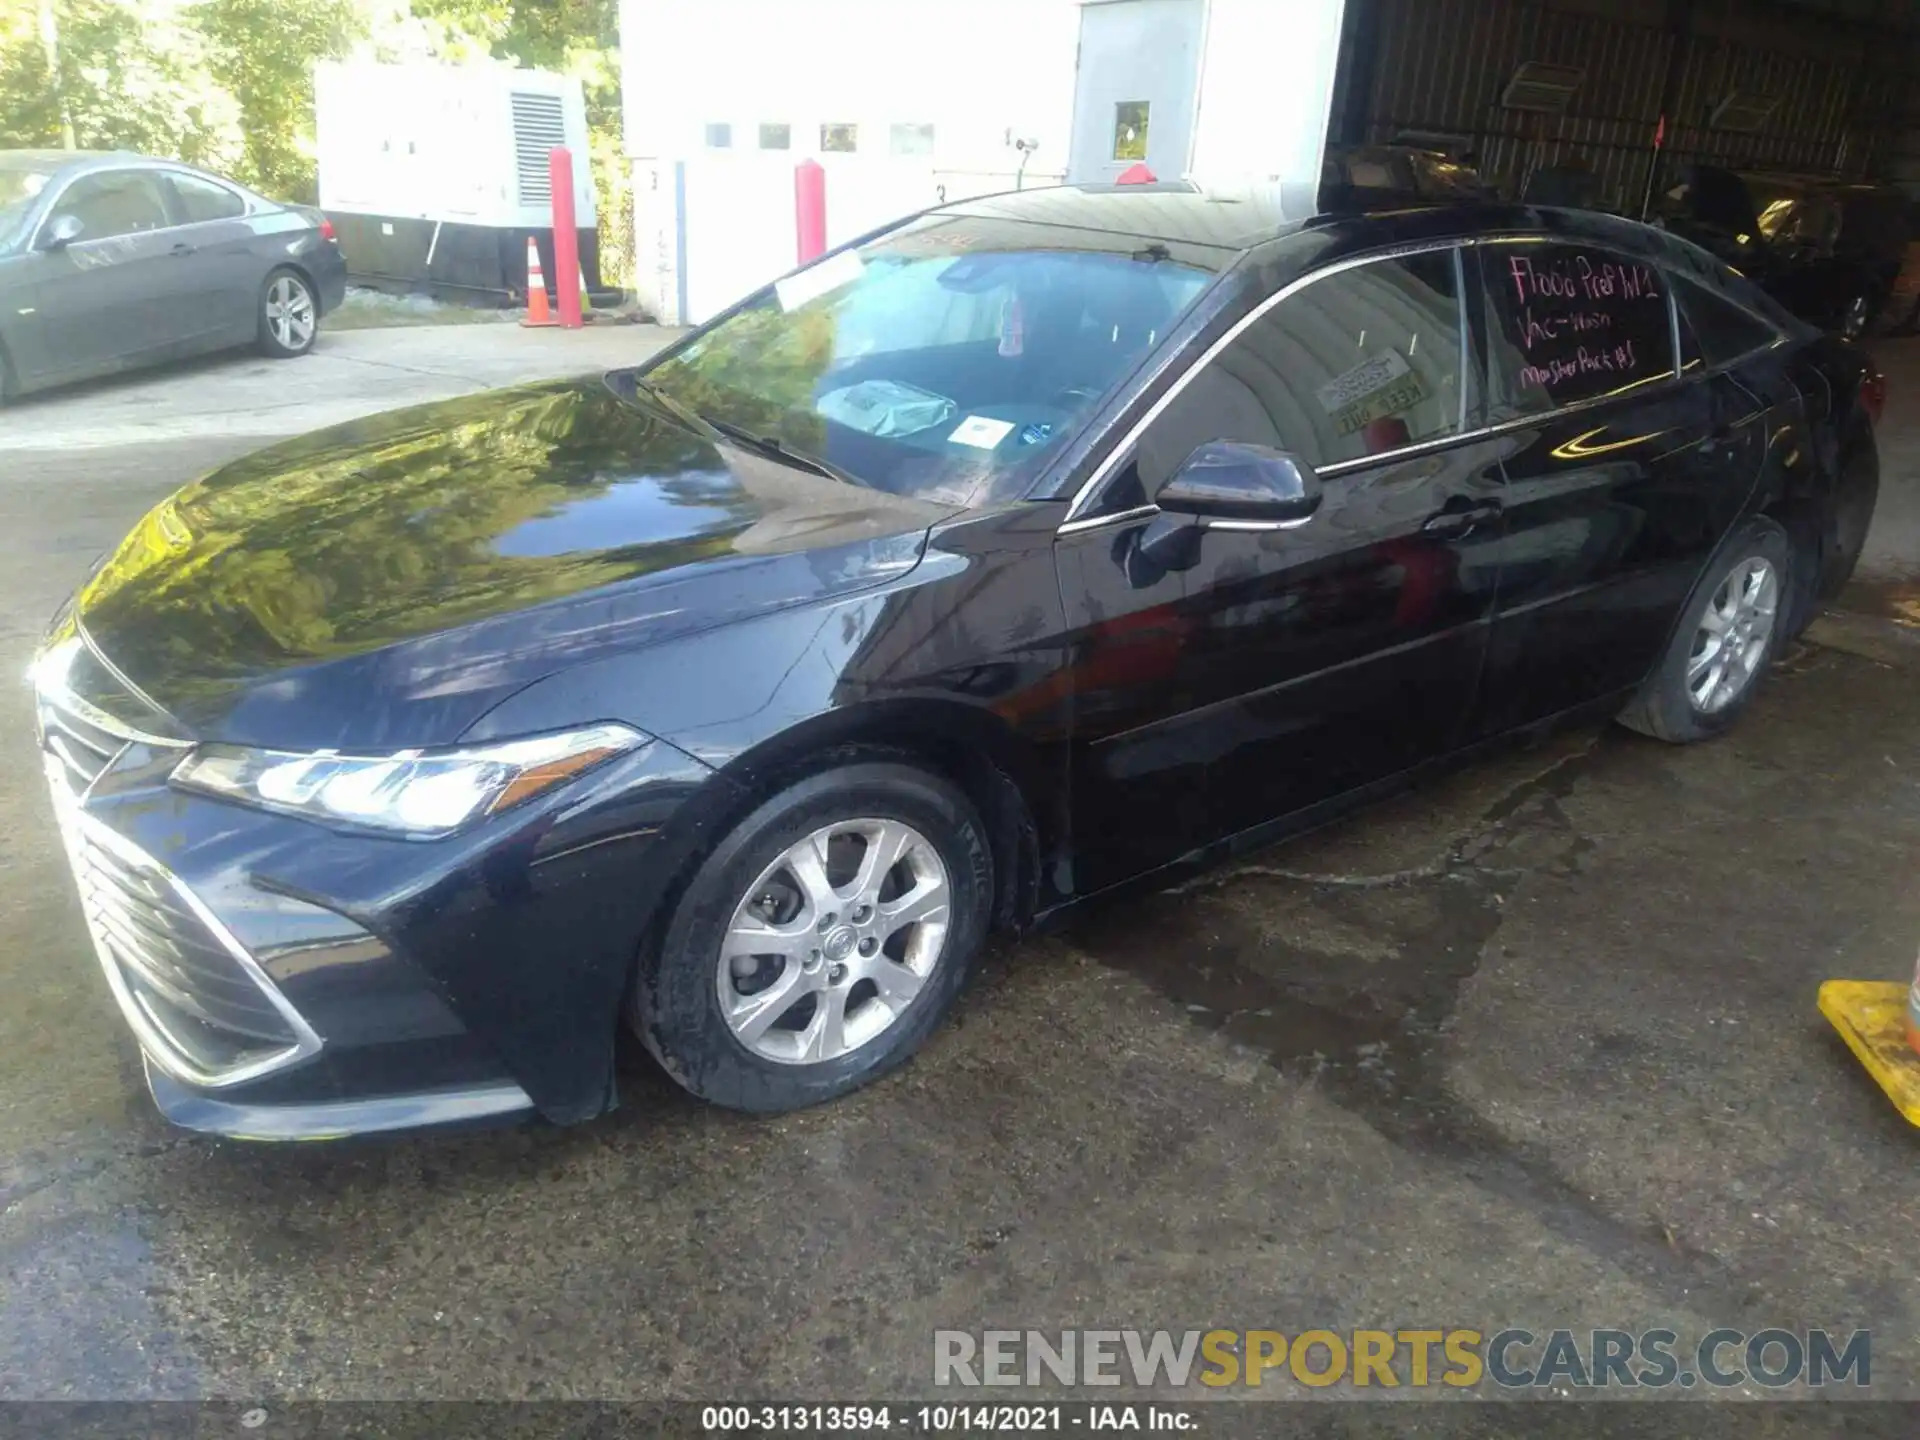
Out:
{"x": 385, "y": 583}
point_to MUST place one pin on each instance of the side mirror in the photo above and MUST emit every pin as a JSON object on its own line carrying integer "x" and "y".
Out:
{"x": 1245, "y": 487}
{"x": 1222, "y": 486}
{"x": 61, "y": 232}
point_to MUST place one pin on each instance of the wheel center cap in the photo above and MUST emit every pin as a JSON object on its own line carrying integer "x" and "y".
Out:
{"x": 839, "y": 943}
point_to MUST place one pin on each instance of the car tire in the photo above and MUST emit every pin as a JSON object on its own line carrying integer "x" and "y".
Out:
{"x": 289, "y": 315}
{"x": 835, "y": 956}
{"x": 1705, "y": 681}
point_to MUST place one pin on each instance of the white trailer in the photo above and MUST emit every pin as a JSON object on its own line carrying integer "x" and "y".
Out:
{"x": 436, "y": 175}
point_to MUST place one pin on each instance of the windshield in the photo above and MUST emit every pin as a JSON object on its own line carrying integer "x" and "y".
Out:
{"x": 948, "y": 360}
{"x": 19, "y": 188}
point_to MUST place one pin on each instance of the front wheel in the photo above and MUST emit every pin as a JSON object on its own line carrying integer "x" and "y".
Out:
{"x": 1732, "y": 627}
{"x": 821, "y": 942}
{"x": 289, "y": 316}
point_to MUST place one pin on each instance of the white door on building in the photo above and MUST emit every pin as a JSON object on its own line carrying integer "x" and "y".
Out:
{"x": 1136, "y": 88}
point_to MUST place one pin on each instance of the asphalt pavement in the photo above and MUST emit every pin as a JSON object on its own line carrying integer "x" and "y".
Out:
{"x": 1535, "y": 1046}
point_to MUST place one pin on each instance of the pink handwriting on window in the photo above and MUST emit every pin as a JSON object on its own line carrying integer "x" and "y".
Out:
{"x": 1581, "y": 279}
{"x": 1556, "y": 372}
{"x": 1550, "y": 327}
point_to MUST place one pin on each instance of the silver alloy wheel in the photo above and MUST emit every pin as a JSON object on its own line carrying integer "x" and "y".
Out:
{"x": 290, "y": 312}
{"x": 1733, "y": 635}
{"x": 832, "y": 943}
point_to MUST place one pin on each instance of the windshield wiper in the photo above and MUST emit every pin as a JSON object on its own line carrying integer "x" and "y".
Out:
{"x": 774, "y": 448}
{"x": 771, "y": 446}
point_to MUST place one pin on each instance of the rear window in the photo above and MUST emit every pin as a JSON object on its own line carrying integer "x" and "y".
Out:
{"x": 1570, "y": 323}
{"x": 1714, "y": 330}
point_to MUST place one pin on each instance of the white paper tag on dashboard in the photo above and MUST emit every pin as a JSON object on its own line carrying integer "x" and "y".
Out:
{"x": 981, "y": 431}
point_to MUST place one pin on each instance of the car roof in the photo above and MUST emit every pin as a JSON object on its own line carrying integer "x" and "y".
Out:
{"x": 1231, "y": 217}
{"x": 1239, "y": 218}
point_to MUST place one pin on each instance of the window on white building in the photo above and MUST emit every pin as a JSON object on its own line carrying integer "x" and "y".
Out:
{"x": 776, "y": 137}
{"x": 911, "y": 139}
{"x": 720, "y": 136}
{"x": 839, "y": 139}
{"x": 1130, "y": 129}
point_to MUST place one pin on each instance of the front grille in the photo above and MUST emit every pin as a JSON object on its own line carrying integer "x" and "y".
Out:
{"x": 82, "y": 749}
{"x": 179, "y": 972}
{"x": 202, "y": 1008}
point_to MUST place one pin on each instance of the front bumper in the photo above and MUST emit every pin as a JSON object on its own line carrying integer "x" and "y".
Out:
{"x": 288, "y": 981}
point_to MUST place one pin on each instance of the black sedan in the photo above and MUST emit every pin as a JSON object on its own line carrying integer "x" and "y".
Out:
{"x": 1038, "y": 545}
{"x": 110, "y": 261}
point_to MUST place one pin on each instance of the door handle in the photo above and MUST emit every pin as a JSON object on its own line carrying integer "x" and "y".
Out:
{"x": 181, "y": 249}
{"x": 1457, "y": 523}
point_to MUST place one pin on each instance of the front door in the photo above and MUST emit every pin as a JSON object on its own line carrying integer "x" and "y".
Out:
{"x": 1288, "y": 666}
{"x": 114, "y": 293}
{"x": 1135, "y": 91}
{"x": 1618, "y": 493}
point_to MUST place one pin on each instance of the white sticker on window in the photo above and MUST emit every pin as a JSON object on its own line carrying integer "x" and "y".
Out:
{"x": 817, "y": 280}
{"x": 1374, "y": 373}
{"x": 981, "y": 431}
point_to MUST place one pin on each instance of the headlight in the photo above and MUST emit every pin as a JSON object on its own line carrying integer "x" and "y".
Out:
{"x": 415, "y": 792}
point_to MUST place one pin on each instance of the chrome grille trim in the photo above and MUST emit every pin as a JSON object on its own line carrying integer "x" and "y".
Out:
{"x": 222, "y": 987}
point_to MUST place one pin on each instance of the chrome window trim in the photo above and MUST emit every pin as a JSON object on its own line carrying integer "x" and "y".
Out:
{"x": 77, "y": 828}
{"x": 46, "y": 215}
{"x": 52, "y": 203}
{"x": 1077, "y": 521}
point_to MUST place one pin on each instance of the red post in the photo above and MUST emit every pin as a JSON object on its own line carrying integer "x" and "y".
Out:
{"x": 810, "y": 209}
{"x": 566, "y": 238}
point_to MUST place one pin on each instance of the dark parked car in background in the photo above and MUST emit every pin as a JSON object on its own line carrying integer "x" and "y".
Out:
{"x": 1039, "y": 544}
{"x": 1828, "y": 250}
{"x": 112, "y": 261}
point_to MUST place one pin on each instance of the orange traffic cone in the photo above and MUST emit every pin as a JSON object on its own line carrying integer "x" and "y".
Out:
{"x": 539, "y": 311}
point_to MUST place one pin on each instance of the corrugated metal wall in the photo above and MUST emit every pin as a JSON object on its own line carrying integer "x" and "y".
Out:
{"x": 1441, "y": 66}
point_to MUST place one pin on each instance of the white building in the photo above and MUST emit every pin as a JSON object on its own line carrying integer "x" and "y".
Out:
{"x": 910, "y": 102}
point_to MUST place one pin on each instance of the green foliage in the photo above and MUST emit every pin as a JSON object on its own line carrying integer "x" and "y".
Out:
{"x": 262, "y": 53}
{"x": 130, "y": 77}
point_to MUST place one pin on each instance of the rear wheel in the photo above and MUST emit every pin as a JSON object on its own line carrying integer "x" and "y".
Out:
{"x": 821, "y": 942}
{"x": 289, "y": 315}
{"x": 1732, "y": 628}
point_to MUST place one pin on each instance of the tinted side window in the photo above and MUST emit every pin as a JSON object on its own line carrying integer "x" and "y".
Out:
{"x": 119, "y": 202}
{"x": 1363, "y": 362}
{"x": 1714, "y": 330}
{"x": 203, "y": 200}
{"x": 1567, "y": 324}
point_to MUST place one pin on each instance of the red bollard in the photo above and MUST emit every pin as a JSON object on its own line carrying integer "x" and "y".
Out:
{"x": 566, "y": 238}
{"x": 810, "y": 209}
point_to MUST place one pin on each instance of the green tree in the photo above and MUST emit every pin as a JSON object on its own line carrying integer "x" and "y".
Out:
{"x": 125, "y": 74}
{"x": 262, "y": 52}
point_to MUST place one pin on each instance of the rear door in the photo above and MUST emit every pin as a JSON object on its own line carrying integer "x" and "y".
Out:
{"x": 219, "y": 274}
{"x": 1621, "y": 475}
{"x": 115, "y": 293}
{"x": 1291, "y": 664}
